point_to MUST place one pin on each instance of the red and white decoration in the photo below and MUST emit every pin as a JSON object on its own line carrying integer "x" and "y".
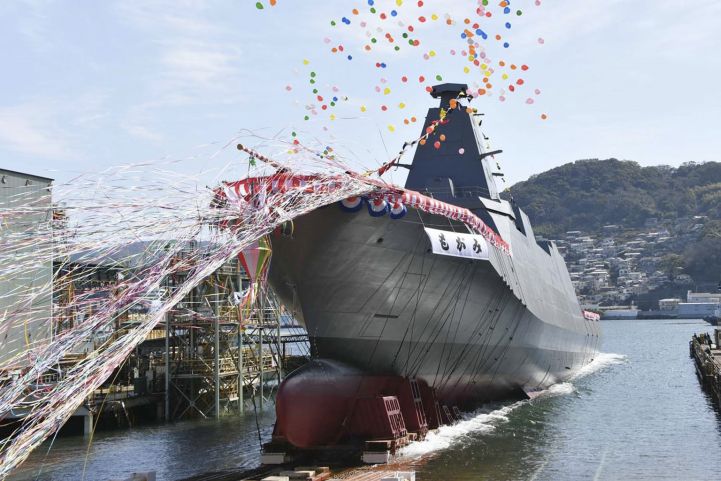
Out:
{"x": 377, "y": 206}
{"x": 352, "y": 204}
{"x": 380, "y": 196}
{"x": 398, "y": 210}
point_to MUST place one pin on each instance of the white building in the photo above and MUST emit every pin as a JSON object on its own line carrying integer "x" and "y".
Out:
{"x": 697, "y": 310}
{"x": 703, "y": 297}
{"x": 25, "y": 297}
{"x": 668, "y": 304}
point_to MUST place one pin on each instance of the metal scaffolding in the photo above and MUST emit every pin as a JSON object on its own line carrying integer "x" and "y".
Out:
{"x": 208, "y": 356}
{"x": 215, "y": 354}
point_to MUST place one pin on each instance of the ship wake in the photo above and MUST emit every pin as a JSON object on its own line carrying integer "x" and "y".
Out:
{"x": 486, "y": 419}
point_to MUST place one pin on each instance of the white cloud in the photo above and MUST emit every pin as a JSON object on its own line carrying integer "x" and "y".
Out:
{"x": 51, "y": 128}
{"x": 142, "y": 132}
{"x": 683, "y": 31}
{"x": 137, "y": 123}
{"x": 562, "y": 23}
{"x": 195, "y": 54}
{"x": 199, "y": 64}
{"x": 28, "y": 129}
{"x": 194, "y": 60}
{"x": 34, "y": 24}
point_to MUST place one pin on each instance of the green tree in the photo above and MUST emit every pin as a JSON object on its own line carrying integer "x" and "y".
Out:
{"x": 672, "y": 265}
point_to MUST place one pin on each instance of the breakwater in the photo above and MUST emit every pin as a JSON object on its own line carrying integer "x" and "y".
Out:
{"x": 705, "y": 351}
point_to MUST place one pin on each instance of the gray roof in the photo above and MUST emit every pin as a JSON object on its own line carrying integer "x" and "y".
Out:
{"x": 23, "y": 174}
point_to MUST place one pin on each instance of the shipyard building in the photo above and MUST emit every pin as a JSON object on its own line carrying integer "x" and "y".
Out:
{"x": 25, "y": 301}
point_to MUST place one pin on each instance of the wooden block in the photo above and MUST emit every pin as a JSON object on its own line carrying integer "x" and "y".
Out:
{"x": 376, "y": 457}
{"x": 296, "y": 475}
{"x": 406, "y": 475}
{"x": 379, "y": 444}
{"x": 273, "y": 458}
{"x": 317, "y": 469}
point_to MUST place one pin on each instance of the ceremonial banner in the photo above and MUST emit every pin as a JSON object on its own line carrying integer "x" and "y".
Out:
{"x": 458, "y": 244}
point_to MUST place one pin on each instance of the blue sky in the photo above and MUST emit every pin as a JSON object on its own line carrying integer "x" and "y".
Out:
{"x": 87, "y": 85}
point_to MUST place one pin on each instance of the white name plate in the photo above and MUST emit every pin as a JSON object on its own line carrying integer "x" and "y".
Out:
{"x": 458, "y": 244}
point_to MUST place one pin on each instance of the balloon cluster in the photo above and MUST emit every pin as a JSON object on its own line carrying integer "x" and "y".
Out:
{"x": 443, "y": 118}
{"x": 321, "y": 101}
{"x": 392, "y": 26}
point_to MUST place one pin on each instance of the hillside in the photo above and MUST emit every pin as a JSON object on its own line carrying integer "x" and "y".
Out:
{"x": 588, "y": 194}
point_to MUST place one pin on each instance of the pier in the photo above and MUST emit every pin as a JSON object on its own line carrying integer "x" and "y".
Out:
{"x": 139, "y": 393}
{"x": 208, "y": 358}
{"x": 706, "y": 353}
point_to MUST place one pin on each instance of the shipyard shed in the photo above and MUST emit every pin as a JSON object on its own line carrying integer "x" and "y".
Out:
{"x": 29, "y": 325}
{"x": 698, "y": 310}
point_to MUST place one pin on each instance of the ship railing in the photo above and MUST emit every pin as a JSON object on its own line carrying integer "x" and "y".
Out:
{"x": 468, "y": 192}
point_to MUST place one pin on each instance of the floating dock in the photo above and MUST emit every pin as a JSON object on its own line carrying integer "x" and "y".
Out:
{"x": 706, "y": 353}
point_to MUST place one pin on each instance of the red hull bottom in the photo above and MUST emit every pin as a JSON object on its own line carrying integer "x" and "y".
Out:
{"x": 327, "y": 403}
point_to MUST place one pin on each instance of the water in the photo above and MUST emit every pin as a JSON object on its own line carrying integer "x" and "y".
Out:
{"x": 637, "y": 413}
{"x": 174, "y": 451}
{"x": 640, "y": 415}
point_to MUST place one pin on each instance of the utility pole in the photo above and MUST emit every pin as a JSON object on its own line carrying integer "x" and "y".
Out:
{"x": 216, "y": 367}
{"x": 167, "y": 367}
{"x": 240, "y": 343}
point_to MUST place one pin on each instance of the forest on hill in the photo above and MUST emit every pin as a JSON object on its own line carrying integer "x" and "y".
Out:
{"x": 588, "y": 194}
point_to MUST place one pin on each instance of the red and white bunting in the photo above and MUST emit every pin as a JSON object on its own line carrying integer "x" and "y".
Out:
{"x": 380, "y": 195}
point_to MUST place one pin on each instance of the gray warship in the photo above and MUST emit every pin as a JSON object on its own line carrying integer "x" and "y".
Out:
{"x": 379, "y": 297}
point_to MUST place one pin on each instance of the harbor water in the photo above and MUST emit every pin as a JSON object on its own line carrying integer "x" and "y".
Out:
{"x": 637, "y": 413}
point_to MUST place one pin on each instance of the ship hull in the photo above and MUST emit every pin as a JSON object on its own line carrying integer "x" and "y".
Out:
{"x": 373, "y": 295}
